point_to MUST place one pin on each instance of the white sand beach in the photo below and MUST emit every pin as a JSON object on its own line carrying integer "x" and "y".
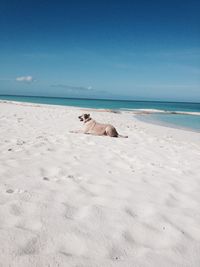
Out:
{"x": 88, "y": 201}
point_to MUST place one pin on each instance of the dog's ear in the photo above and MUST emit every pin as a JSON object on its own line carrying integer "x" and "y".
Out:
{"x": 86, "y": 116}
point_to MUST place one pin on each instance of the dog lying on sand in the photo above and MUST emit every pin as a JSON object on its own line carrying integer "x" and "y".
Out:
{"x": 95, "y": 128}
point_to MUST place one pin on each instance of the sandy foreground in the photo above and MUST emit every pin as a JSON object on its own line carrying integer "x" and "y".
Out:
{"x": 86, "y": 201}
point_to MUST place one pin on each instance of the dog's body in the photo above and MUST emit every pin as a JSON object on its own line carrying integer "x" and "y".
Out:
{"x": 95, "y": 128}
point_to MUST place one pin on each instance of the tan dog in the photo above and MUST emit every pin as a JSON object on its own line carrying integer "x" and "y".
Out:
{"x": 95, "y": 128}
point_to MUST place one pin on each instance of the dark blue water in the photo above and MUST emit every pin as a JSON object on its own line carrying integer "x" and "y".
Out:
{"x": 108, "y": 104}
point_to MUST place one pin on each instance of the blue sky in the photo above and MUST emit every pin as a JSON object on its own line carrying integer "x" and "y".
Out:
{"x": 101, "y": 49}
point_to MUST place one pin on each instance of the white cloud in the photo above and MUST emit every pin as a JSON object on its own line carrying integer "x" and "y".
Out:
{"x": 72, "y": 88}
{"x": 28, "y": 79}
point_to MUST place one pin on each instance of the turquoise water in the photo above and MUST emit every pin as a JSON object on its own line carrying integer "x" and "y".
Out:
{"x": 190, "y": 122}
{"x": 174, "y": 120}
{"x": 109, "y": 104}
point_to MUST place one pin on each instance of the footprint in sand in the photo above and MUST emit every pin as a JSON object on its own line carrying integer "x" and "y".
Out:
{"x": 31, "y": 247}
{"x": 15, "y": 210}
{"x": 76, "y": 178}
{"x": 20, "y": 142}
{"x": 116, "y": 254}
{"x": 70, "y": 211}
{"x": 24, "y": 195}
{"x": 46, "y": 178}
{"x": 9, "y": 191}
{"x": 128, "y": 237}
{"x": 130, "y": 213}
{"x": 19, "y": 120}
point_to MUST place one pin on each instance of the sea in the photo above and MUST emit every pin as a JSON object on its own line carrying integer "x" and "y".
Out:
{"x": 172, "y": 113}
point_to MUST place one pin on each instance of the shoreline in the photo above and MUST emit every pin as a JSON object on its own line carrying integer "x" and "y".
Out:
{"x": 155, "y": 106}
{"x": 144, "y": 111}
{"x": 135, "y": 112}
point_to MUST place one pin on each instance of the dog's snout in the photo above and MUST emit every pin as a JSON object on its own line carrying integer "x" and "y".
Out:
{"x": 79, "y": 117}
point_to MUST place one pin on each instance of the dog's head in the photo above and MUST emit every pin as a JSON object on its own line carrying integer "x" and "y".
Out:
{"x": 84, "y": 117}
